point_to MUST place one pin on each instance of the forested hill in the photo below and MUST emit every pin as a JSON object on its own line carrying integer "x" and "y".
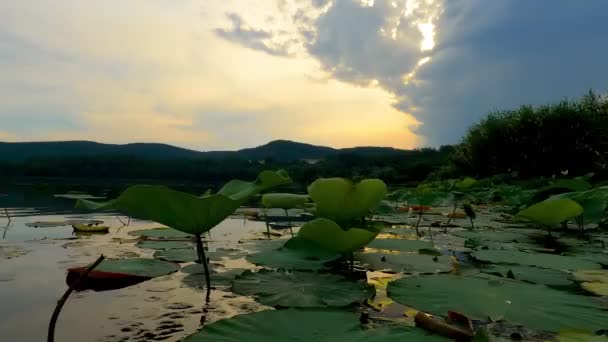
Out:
{"x": 280, "y": 150}
{"x": 304, "y": 162}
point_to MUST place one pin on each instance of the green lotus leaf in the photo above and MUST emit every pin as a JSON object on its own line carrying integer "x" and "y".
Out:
{"x": 427, "y": 197}
{"x": 410, "y": 263}
{"x": 530, "y": 274}
{"x": 580, "y": 336}
{"x": 465, "y": 183}
{"x": 176, "y": 255}
{"x": 164, "y": 245}
{"x": 183, "y": 211}
{"x": 196, "y": 276}
{"x": 343, "y": 201}
{"x": 594, "y": 203}
{"x": 544, "y": 260}
{"x": 140, "y": 267}
{"x": 160, "y": 233}
{"x": 295, "y": 254}
{"x": 284, "y": 201}
{"x": 301, "y": 289}
{"x": 534, "y": 306}
{"x": 552, "y": 212}
{"x": 401, "y": 245}
{"x": 300, "y": 325}
{"x": 593, "y": 281}
{"x": 328, "y": 235}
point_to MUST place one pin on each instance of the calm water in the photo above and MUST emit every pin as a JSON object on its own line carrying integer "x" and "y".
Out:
{"x": 33, "y": 264}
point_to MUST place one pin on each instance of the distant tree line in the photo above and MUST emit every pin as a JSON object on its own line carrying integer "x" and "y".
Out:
{"x": 397, "y": 168}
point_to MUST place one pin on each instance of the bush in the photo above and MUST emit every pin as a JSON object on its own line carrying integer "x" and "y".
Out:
{"x": 536, "y": 141}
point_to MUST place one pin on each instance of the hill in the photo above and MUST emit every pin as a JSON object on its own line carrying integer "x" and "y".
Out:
{"x": 279, "y": 150}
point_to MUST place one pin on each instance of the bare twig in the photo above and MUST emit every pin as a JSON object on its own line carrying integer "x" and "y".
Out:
{"x": 51, "y": 333}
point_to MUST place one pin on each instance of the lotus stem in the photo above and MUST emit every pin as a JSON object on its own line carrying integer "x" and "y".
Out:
{"x": 50, "y": 337}
{"x": 8, "y": 216}
{"x": 431, "y": 233}
{"x": 202, "y": 259}
{"x": 472, "y": 224}
{"x": 450, "y": 217}
{"x": 418, "y": 223}
{"x": 352, "y": 262}
{"x": 288, "y": 221}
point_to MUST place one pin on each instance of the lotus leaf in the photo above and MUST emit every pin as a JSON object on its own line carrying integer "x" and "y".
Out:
{"x": 552, "y": 212}
{"x": 176, "y": 255}
{"x": 580, "y": 336}
{"x": 343, "y": 201}
{"x": 296, "y": 254}
{"x": 137, "y": 267}
{"x": 405, "y": 262}
{"x": 465, "y": 183}
{"x": 283, "y": 201}
{"x": 183, "y": 211}
{"x": 401, "y": 245}
{"x": 164, "y": 245}
{"x": 534, "y": 306}
{"x": 531, "y": 274}
{"x": 196, "y": 276}
{"x": 594, "y": 281}
{"x": 328, "y": 235}
{"x": 301, "y": 289}
{"x": 544, "y": 260}
{"x": 160, "y": 233}
{"x": 299, "y": 325}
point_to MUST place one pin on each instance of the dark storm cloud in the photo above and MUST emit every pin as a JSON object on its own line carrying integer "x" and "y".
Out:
{"x": 501, "y": 54}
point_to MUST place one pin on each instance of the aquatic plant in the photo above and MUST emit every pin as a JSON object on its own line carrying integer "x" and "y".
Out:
{"x": 283, "y": 201}
{"x": 186, "y": 212}
{"x": 551, "y": 212}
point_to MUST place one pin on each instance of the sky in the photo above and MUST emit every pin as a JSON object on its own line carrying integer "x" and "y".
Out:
{"x": 229, "y": 74}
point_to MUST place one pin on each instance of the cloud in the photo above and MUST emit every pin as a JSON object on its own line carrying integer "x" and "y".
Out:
{"x": 502, "y": 54}
{"x": 158, "y": 71}
{"x": 450, "y": 62}
{"x": 256, "y": 39}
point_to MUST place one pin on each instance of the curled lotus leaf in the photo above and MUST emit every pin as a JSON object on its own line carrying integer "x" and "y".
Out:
{"x": 183, "y": 211}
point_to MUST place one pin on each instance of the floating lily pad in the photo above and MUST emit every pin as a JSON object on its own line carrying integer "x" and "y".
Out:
{"x": 600, "y": 289}
{"x": 553, "y": 261}
{"x": 405, "y": 262}
{"x": 10, "y": 252}
{"x": 401, "y": 245}
{"x": 531, "y": 274}
{"x": 301, "y": 289}
{"x": 164, "y": 245}
{"x": 52, "y": 224}
{"x": 534, "y": 306}
{"x": 161, "y": 233}
{"x": 489, "y": 235}
{"x": 196, "y": 278}
{"x": 228, "y": 253}
{"x": 118, "y": 273}
{"x": 594, "y": 281}
{"x": 298, "y": 325}
{"x": 580, "y": 336}
{"x": 176, "y": 255}
{"x": 296, "y": 254}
